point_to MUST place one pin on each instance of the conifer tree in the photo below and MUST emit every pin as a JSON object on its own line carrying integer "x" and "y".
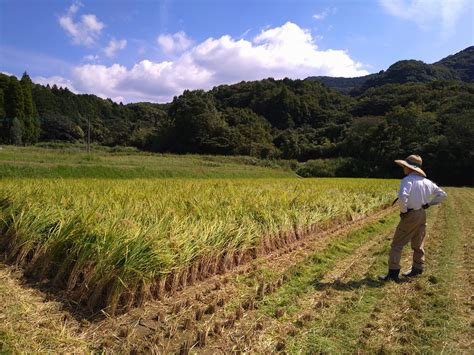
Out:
{"x": 16, "y": 132}
{"x": 31, "y": 126}
{"x": 14, "y": 100}
{"x": 29, "y": 105}
{"x": 2, "y": 104}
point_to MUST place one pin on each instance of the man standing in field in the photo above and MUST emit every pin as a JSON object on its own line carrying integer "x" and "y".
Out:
{"x": 416, "y": 194}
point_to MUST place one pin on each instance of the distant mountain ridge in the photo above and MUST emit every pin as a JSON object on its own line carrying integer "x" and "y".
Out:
{"x": 461, "y": 63}
{"x": 459, "y": 66}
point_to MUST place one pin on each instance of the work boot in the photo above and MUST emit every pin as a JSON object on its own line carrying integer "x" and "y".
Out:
{"x": 392, "y": 275}
{"x": 414, "y": 272}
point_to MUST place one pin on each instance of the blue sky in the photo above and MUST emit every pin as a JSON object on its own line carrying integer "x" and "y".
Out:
{"x": 151, "y": 50}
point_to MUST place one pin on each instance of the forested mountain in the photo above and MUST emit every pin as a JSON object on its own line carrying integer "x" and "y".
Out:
{"x": 459, "y": 66}
{"x": 432, "y": 115}
{"x": 340, "y": 84}
{"x": 462, "y": 64}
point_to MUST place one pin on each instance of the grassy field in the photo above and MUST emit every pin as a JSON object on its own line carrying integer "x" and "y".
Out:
{"x": 69, "y": 161}
{"x": 219, "y": 263}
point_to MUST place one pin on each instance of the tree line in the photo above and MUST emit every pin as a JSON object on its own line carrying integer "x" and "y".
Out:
{"x": 335, "y": 134}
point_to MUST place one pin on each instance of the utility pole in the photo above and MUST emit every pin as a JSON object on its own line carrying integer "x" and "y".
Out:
{"x": 88, "y": 135}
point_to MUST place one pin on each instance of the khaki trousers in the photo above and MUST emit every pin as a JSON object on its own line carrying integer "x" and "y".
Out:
{"x": 412, "y": 229}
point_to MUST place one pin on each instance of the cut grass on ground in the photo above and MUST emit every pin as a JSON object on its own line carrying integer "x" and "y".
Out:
{"x": 30, "y": 324}
{"x": 426, "y": 315}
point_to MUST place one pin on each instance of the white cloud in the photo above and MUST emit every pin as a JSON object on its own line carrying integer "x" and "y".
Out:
{"x": 321, "y": 15}
{"x": 427, "y": 13}
{"x": 114, "y": 45}
{"x": 85, "y": 31}
{"x": 285, "y": 51}
{"x": 90, "y": 58}
{"x": 177, "y": 42}
{"x": 59, "y": 81}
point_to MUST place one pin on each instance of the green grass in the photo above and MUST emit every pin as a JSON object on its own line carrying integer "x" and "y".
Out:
{"x": 74, "y": 162}
{"x": 426, "y": 315}
{"x": 305, "y": 276}
{"x": 439, "y": 313}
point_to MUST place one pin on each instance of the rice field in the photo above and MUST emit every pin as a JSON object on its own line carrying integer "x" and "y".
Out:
{"x": 114, "y": 243}
{"x": 119, "y": 251}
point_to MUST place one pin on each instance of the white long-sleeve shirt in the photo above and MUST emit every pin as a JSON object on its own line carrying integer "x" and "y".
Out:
{"x": 416, "y": 191}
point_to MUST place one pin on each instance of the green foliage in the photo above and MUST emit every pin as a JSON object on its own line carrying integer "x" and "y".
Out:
{"x": 342, "y": 85}
{"x": 16, "y": 132}
{"x": 29, "y": 106}
{"x": 458, "y": 66}
{"x": 323, "y": 167}
{"x": 14, "y": 99}
{"x": 462, "y": 64}
{"x": 407, "y": 71}
{"x": 250, "y": 134}
{"x": 56, "y": 127}
{"x": 31, "y": 130}
{"x": 197, "y": 124}
{"x": 426, "y": 119}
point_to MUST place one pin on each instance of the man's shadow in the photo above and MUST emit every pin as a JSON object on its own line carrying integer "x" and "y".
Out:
{"x": 352, "y": 284}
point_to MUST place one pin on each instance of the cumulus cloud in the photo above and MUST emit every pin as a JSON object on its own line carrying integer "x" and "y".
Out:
{"x": 427, "y": 12}
{"x": 285, "y": 51}
{"x": 84, "y": 31}
{"x": 114, "y": 45}
{"x": 177, "y": 42}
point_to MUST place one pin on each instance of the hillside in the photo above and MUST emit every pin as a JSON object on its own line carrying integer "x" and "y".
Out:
{"x": 340, "y": 84}
{"x": 461, "y": 63}
{"x": 459, "y": 66}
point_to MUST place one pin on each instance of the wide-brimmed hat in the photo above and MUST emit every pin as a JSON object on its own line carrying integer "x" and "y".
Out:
{"x": 412, "y": 162}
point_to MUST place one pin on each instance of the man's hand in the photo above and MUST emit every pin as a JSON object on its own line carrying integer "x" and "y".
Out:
{"x": 426, "y": 205}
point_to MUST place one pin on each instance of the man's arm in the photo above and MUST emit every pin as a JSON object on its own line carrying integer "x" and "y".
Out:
{"x": 405, "y": 188}
{"x": 439, "y": 195}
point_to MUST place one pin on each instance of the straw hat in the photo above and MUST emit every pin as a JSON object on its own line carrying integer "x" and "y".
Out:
{"x": 413, "y": 162}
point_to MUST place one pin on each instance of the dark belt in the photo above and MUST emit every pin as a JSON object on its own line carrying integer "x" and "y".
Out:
{"x": 412, "y": 209}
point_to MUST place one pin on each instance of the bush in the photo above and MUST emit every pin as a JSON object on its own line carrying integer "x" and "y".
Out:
{"x": 323, "y": 167}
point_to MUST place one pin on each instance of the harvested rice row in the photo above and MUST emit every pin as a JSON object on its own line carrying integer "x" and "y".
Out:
{"x": 116, "y": 243}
